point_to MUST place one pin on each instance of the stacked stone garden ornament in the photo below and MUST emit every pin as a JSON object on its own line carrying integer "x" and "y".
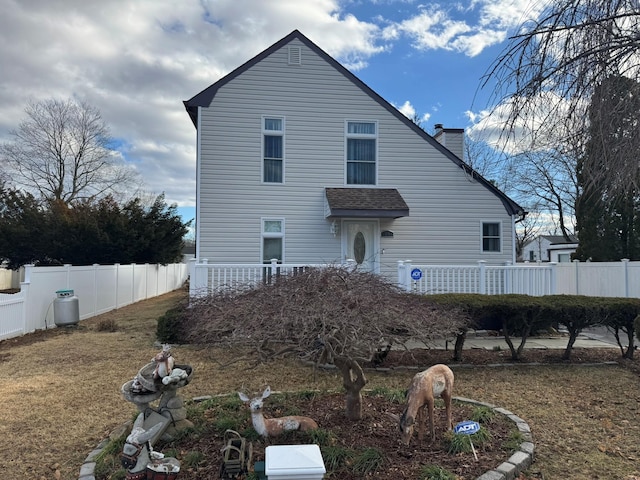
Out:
{"x": 158, "y": 380}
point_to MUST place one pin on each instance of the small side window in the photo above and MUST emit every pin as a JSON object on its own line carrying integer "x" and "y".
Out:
{"x": 491, "y": 237}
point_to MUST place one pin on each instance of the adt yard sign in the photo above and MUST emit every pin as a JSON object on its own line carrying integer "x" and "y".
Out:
{"x": 416, "y": 274}
{"x": 469, "y": 427}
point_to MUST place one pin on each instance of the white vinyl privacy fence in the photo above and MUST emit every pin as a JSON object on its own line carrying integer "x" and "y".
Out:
{"x": 609, "y": 279}
{"x": 99, "y": 288}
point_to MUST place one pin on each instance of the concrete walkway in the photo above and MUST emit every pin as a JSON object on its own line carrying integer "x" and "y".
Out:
{"x": 488, "y": 341}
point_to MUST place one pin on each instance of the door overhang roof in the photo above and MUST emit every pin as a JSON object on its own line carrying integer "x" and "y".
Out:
{"x": 365, "y": 203}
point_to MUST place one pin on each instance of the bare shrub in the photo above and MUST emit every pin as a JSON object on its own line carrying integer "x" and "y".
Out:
{"x": 325, "y": 315}
{"x": 318, "y": 314}
{"x": 107, "y": 325}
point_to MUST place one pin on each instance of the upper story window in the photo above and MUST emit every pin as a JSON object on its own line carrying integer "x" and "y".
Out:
{"x": 361, "y": 153}
{"x": 273, "y": 150}
{"x": 491, "y": 237}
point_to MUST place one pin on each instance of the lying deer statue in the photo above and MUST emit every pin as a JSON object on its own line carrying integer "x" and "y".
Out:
{"x": 436, "y": 381}
{"x": 271, "y": 427}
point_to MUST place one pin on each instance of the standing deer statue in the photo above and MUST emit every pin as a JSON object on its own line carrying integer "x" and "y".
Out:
{"x": 436, "y": 381}
{"x": 271, "y": 427}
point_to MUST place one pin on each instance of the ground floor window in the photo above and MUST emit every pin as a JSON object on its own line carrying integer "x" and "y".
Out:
{"x": 272, "y": 239}
{"x": 491, "y": 237}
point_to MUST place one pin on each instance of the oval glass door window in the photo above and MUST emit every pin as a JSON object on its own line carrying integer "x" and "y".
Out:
{"x": 359, "y": 247}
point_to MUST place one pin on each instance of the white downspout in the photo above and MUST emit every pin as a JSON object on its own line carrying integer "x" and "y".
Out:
{"x": 198, "y": 176}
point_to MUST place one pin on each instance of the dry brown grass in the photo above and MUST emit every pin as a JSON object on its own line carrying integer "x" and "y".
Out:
{"x": 61, "y": 397}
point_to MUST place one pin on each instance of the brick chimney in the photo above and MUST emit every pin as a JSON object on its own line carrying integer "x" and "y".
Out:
{"x": 451, "y": 138}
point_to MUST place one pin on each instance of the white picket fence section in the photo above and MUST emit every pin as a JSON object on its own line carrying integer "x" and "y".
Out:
{"x": 610, "y": 279}
{"x": 524, "y": 278}
{"x": 99, "y": 288}
{"x": 207, "y": 277}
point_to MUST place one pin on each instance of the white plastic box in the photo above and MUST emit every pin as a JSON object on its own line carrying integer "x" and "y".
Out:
{"x": 294, "y": 462}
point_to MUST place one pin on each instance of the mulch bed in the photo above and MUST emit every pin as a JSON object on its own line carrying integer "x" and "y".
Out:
{"x": 377, "y": 431}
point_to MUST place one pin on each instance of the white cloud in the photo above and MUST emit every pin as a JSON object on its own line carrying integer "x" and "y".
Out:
{"x": 407, "y": 110}
{"x": 432, "y": 28}
{"x": 468, "y": 30}
{"x": 137, "y": 61}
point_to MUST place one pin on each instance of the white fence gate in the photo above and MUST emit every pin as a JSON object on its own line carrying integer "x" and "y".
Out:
{"x": 99, "y": 288}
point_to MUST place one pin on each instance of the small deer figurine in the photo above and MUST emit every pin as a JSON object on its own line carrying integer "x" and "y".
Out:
{"x": 271, "y": 427}
{"x": 436, "y": 381}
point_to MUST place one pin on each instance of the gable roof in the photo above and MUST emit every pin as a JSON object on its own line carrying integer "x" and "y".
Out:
{"x": 559, "y": 239}
{"x": 205, "y": 97}
{"x": 554, "y": 240}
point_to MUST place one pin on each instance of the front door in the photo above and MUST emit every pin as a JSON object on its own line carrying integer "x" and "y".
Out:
{"x": 360, "y": 243}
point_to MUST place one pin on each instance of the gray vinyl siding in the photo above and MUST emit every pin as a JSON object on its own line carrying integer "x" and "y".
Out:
{"x": 446, "y": 206}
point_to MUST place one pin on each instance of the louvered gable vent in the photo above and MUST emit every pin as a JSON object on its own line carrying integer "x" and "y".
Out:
{"x": 295, "y": 56}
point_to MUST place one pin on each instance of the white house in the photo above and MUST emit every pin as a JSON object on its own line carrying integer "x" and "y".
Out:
{"x": 549, "y": 248}
{"x": 299, "y": 160}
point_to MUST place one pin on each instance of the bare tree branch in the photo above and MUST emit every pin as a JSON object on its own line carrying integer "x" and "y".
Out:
{"x": 61, "y": 152}
{"x": 551, "y": 68}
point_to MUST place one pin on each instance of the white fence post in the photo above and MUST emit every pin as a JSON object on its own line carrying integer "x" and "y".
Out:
{"x": 508, "y": 274}
{"x": 28, "y": 315}
{"x": 199, "y": 278}
{"x": 576, "y": 263}
{"x": 553, "y": 281}
{"x": 407, "y": 275}
{"x": 401, "y": 280}
{"x": 625, "y": 263}
{"x": 482, "y": 274}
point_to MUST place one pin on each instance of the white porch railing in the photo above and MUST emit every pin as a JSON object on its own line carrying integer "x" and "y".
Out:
{"x": 610, "y": 279}
{"x": 529, "y": 279}
{"x": 209, "y": 277}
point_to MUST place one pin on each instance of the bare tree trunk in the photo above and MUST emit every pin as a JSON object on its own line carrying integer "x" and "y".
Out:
{"x": 631, "y": 347}
{"x": 516, "y": 353}
{"x": 628, "y": 353}
{"x": 573, "y": 335}
{"x": 458, "y": 348}
{"x": 353, "y": 380}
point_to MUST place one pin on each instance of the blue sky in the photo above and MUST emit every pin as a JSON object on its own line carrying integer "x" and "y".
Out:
{"x": 136, "y": 61}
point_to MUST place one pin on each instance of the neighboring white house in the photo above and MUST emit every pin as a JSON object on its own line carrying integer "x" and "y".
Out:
{"x": 299, "y": 160}
{"x": 549, "y": 248}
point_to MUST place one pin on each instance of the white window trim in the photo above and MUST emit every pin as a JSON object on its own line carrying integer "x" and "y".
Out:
{"x": 263, "y": 235}
{"x": 272, "y": 133}
{"x": 501, "y": 236}
{"x": 347, "y": 136}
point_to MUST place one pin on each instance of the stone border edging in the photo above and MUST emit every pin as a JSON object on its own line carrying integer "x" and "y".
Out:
{"x": 507, "y": 470}
{"x": 519, "y": 460}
